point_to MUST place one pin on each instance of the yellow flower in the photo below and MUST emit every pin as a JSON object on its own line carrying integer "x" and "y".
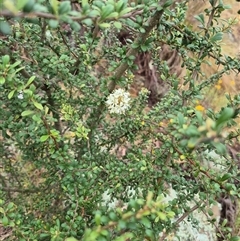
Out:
{"x": 232, "y": 82}
{"x": 182, "y": 157}
{"x": 218, "y": 86}
{"x": 199, "y": 108}
{"x": 161, "y": 123}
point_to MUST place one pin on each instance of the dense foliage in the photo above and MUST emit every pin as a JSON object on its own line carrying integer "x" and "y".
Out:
{"x": 81, "y": 157}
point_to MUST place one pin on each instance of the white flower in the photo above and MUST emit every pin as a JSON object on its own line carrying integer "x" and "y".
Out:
{"x": 20, "y": 95}
{"x": 118, "y": 102}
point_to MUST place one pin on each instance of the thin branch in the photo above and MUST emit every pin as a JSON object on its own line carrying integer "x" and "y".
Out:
{"x": 19, "y": 190}
{"x": 65, "y": 42}
{"x": 211, "y": 16}
{"x": 165, "y": 234}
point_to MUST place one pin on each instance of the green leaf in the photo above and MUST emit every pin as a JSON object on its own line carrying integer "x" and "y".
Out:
{"x": 54, "y": 4}
{"x": 117, "y": 25}
{"x": 225, "y": 115}
{"x": 210, "y": 212}
{"x": 220, "y": 148}
{"x": 28, "y": 7}
{"x": 84, "y": 3}
{"x": 5, "y": 28}
{"x": 224, "y": 222}
{"x": 106, "y": 11}
{"x": 65, "y": 7}
{"x": 124, "y": 237}
{"x": 119, "y": 6}
{"x": 2, "y": 80}
{"x": 167, "y": 3}
{"x": 192, "y": 142}
{"x": 10, "y": 205}
{"x": 19, "y": 69}
{"x": 5, "y": 221}
{"x": 27, "y": 112}
{"x": 44, "y": 235}
{"x": 53, "y": 23}
{"x": 162, "y": 216}
{"x": 145, "y": 221}
{"x": 98, "y": 218}
{"x": 171, "y": 214}
{"x": 1, "y": 210}
{"x": 135, "y": 45}
{"x": 5, "y": 59}
{"x": 192, "y": 131}
{"x": 112, "y": 15}
{"x": 225, "y": 177}
{"x": 125, "y": 11}
{"x": 143, "y": 168}
{"x": 44, "y": 138}
{"x": 37, "y": 118}
{"x": 31, "y": 79}
{"x": 104, "y": 232}
{"x": 235, "y": 238}
{"x": 104, "y": 25}
{"x": 21, "y": 3}
{"x": 16, "y": 64}
{"x": 38, "y": 105}
{"x": 91, "y": 14}
{"x": 122, "y": 224}
{"x": 88, "y": 21}
{"x": 75, "y": 26}
{"x": 200, "y": 18}
{"x": 143, "y": 48}
{"x": 10, "y": 95}
{"x": 71, "y": 239}
{"x": 181, "y": 120}
{"x": 10, "y": 6}
{"x": 217, "y": 37}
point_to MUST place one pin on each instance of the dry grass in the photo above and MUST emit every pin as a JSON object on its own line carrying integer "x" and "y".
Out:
{"x": 229, "y": 83}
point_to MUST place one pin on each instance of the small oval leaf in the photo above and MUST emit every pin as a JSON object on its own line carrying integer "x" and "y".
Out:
{"x": 5, "y": 28}
{"x": 117, "y": 25}
{"x": 38, "y": 105}
{"x": 27, "y": 112}
{"x": 30, "y": 81}
{"x": 5, "y": 221}
{"x": 10, "y": 95}
{"x": 44, "y": 138}
{"x": 2, "y": 80}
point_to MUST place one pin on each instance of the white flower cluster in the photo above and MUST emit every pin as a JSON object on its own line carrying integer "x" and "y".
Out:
{"x": 118, "y": 102}
{"x": 203, "y": 230}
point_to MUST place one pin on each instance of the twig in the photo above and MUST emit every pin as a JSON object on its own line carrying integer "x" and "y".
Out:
{"x": 195, "y": 72}
{"x": 165, "y": 234}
